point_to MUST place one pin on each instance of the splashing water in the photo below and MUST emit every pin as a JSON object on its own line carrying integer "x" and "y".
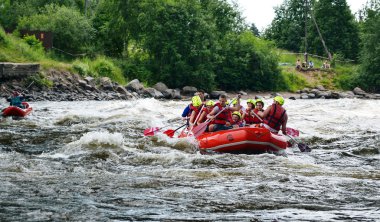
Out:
{"x": 87, "y": 161}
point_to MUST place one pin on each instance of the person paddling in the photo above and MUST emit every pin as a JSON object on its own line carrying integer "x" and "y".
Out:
{"x": 236, "y": 120}
{"x": 222, "y": 121}
{"x": 16, "y": 100}
{"x": 187, "y": 111}
{"x": 205, "y": 111}
{"x": 259, "y": 105}
{"x": 195, "y": 107}
{"x": 247, "y": 115}
{"x": 275, "y": 117}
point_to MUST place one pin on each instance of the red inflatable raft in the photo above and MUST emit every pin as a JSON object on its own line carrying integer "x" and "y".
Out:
{"x": 17, "y": 111}
{"x": 247, "y": 140}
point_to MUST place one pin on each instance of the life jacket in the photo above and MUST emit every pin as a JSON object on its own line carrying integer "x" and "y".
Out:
{"x": 238, "y": 123}
{"x": 193, "y": 109}
{"x": 16, "y": 101}
{"x": 248, "y": 118}
{"x": 255, "y": 119}
{"x": 275, "y": 117}
{"x": 206, "y": 110}
{"x": 223, "y": 117}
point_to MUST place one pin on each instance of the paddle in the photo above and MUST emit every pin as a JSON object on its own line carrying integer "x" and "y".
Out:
{"x": 150, "y": 131}
{"x": 196, "y": 120}
{"x": 303, "y": 147}
{"x": 257, "y": 116}
{"x": 198, "y": 130}
{"x": 171, "y": 132}
{"x": 292, "y": 132}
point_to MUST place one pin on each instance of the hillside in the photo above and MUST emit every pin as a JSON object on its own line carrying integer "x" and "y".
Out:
{"x": 14, "y": 49}
{"x": 339, "y": 77}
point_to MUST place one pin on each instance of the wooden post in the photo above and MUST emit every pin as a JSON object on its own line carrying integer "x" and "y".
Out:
{"x": 320, "y": 36}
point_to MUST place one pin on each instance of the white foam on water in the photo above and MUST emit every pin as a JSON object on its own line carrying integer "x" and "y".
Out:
{"x": 90, "y": 142}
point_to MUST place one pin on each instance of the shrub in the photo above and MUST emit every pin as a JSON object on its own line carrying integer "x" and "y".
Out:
{"x": 291, "y": 81}
{"x": 346, "y": 78}
{"x": 40, "y": 80}
{"x": 100, "y": 67}
{"x": 33, "y": 41}
{"x": 82, "y": 68}
{"x": 104, "y": 67}
{"x": 72, "y": 30}
{"x": 3, "y": 37}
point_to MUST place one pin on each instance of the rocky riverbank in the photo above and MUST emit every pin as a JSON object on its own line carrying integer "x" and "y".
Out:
{"x": 67, "y": 86}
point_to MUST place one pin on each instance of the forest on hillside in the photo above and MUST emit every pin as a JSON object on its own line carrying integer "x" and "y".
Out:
{"x": 205, "y": 43}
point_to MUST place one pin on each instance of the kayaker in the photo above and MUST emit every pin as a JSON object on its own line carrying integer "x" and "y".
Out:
{"x": 195, "y": 107}
{"x": 247, "y": 115}
{"x": 205, "y": 111}
{"x": 275, "y": 117}
{"x": 222, "y": 121}
{"x": 16, "y": 100}
{"x": 236, "y": 120}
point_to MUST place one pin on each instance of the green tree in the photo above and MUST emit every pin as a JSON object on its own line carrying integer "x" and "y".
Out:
{"x": 12, "y": 10}
{"x": 288, "y": 25}
{"x": 181, "y": 37}
{"x": 249, "y": 63}
{"x": 111, "y": 35}
{"x": 254, "y": 30}
{"x": 338, "y": 28}
{"x": 72, "y": 30}
{"x": 369, "y": 77}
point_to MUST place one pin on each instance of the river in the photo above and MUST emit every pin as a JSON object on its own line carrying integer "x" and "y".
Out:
{"x": 89, "y": 161}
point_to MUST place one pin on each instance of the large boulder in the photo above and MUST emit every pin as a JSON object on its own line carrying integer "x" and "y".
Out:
{"x": 320, "y": 88}
{"x": 325, "y": 95}
{"x": 310, "y": 95}
{"x": 172, "y": 94}
{"x": 152, "y": 92}
{"x": 123, "y": 91}
{"x": 335, "y": 95}
{"x": 305, "y": 90}
{"x": 177, "y": 94}
{"x": 135, "y": 86}
{"x": 315, "y": 91}
{"x": 304, "y": 96}
{"x": 106, "y": 83}
{"x": 242, "y": 93}
{"x": 189, "y": 90}
{"x": 359, "y": 91}
{"x": 160, "y": 87}
{"x": 216, "y": 94}
{"x": 90, "y": 80}
{"x": 168, "y": 93}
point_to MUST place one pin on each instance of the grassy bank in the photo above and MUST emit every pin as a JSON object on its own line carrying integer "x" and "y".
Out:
{"x": 29, "y": 49}
{"x": 341, "y": 75}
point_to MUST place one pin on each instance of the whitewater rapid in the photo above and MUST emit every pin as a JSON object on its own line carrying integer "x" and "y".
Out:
{"x": 89, "y": 161}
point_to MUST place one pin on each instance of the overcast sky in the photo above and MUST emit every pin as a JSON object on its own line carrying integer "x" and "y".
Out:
{"x": 261, "y": 12}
